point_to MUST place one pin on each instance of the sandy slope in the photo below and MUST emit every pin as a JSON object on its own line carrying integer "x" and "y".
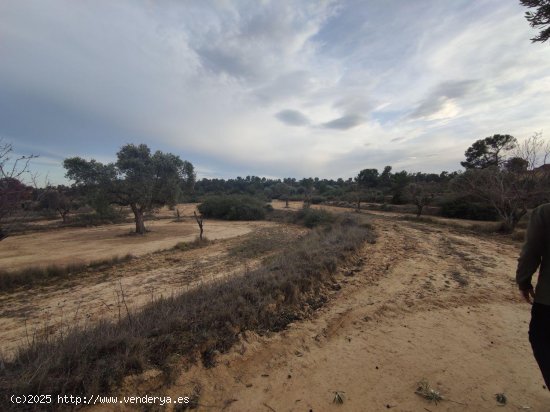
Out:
{"x": 424, "y": 302}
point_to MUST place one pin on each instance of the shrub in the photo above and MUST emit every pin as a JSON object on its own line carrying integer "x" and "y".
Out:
{"x": 318, "y": 199}
{"x": 398, "y": 198}
{"x": 107, "y": 216}
{"x": 314, "y": 217}
{"x": 233, "y": 207}
{"x": 195, "y": 244}
{"x": 463, "y": 208}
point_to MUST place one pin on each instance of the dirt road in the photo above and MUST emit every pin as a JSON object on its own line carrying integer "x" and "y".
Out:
{"x": 423, "y": 303}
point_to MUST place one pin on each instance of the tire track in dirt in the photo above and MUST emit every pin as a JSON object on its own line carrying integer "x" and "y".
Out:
{"x": 423, "y": 302}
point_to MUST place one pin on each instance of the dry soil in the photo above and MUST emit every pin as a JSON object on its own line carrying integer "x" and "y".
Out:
{"x": 425, "y": 302}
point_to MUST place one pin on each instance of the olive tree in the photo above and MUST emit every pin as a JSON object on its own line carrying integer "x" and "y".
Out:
{"x": 59, "y": 200}
{"x": 138, "y": 179}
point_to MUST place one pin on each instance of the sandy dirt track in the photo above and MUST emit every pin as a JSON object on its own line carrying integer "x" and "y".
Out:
{"x": 424, "y": 302}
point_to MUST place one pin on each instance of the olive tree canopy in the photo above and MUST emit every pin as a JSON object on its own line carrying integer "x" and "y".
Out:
{"x": 138, "y": 179}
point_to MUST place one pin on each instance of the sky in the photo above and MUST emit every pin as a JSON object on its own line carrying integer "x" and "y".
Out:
{"x": 269, "y": 88}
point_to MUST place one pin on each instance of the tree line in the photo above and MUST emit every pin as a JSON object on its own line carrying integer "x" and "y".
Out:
{"x": 501, "y": 178}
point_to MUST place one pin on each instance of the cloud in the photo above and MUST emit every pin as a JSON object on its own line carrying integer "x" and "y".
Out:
{"x": 292, "y": 118}
{"x": 440, "y": 103}
{"x": 345, "y": 122}
{"x": 294, "y": 84}
{"x": 228, "y": 61}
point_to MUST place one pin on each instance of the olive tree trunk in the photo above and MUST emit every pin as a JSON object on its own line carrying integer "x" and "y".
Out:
{"x": 138, "y": 217}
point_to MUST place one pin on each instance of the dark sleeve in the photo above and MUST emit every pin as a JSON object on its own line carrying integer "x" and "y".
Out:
{"x": 531, "y": 254}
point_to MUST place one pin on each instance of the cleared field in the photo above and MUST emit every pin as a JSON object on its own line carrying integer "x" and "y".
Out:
{"x": 82, "y": 245}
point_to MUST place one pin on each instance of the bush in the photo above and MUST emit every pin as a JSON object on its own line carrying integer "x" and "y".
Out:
{"x": 233, "y": 207}
{"x": 318, "y": 199}
{"x": 314, "y": 217}
{"x": 195, "y": 244}
{"x": 398, "y": 198}
{"x": 96, "y": 219}
{"x": 463, "y": 208}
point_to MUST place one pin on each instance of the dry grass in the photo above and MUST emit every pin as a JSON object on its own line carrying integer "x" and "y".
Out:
{"x": 32, "y": 276}
{"x": 261, "y": 242}
{"x": 484, "y": 228}
{"x": 427, "y": 392}
{"x": 183, "y": 329}
{"x": 195, "y": 244}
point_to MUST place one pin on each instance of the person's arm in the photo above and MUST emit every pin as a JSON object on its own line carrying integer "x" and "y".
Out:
{"x": 531, "y": 254}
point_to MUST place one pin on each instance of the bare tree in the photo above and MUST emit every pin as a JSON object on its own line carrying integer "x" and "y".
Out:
{"x": 13, "y": 168}
{"x": 13, "y": 190}
{"x": 534, "y": 150}
{"x": 421, "y": 194}
{"x": 199, "y": 220}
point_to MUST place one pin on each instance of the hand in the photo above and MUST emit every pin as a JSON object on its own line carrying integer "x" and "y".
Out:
{"x": 528, "y": 295}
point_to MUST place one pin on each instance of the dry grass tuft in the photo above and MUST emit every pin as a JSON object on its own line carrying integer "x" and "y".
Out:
{"x": 338, "y": 397}
{"x": 501, "y": 398}
{"x": 10, "y": 280}
{"x": 427, "y": 392}
{"x": 195, "y": 244}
